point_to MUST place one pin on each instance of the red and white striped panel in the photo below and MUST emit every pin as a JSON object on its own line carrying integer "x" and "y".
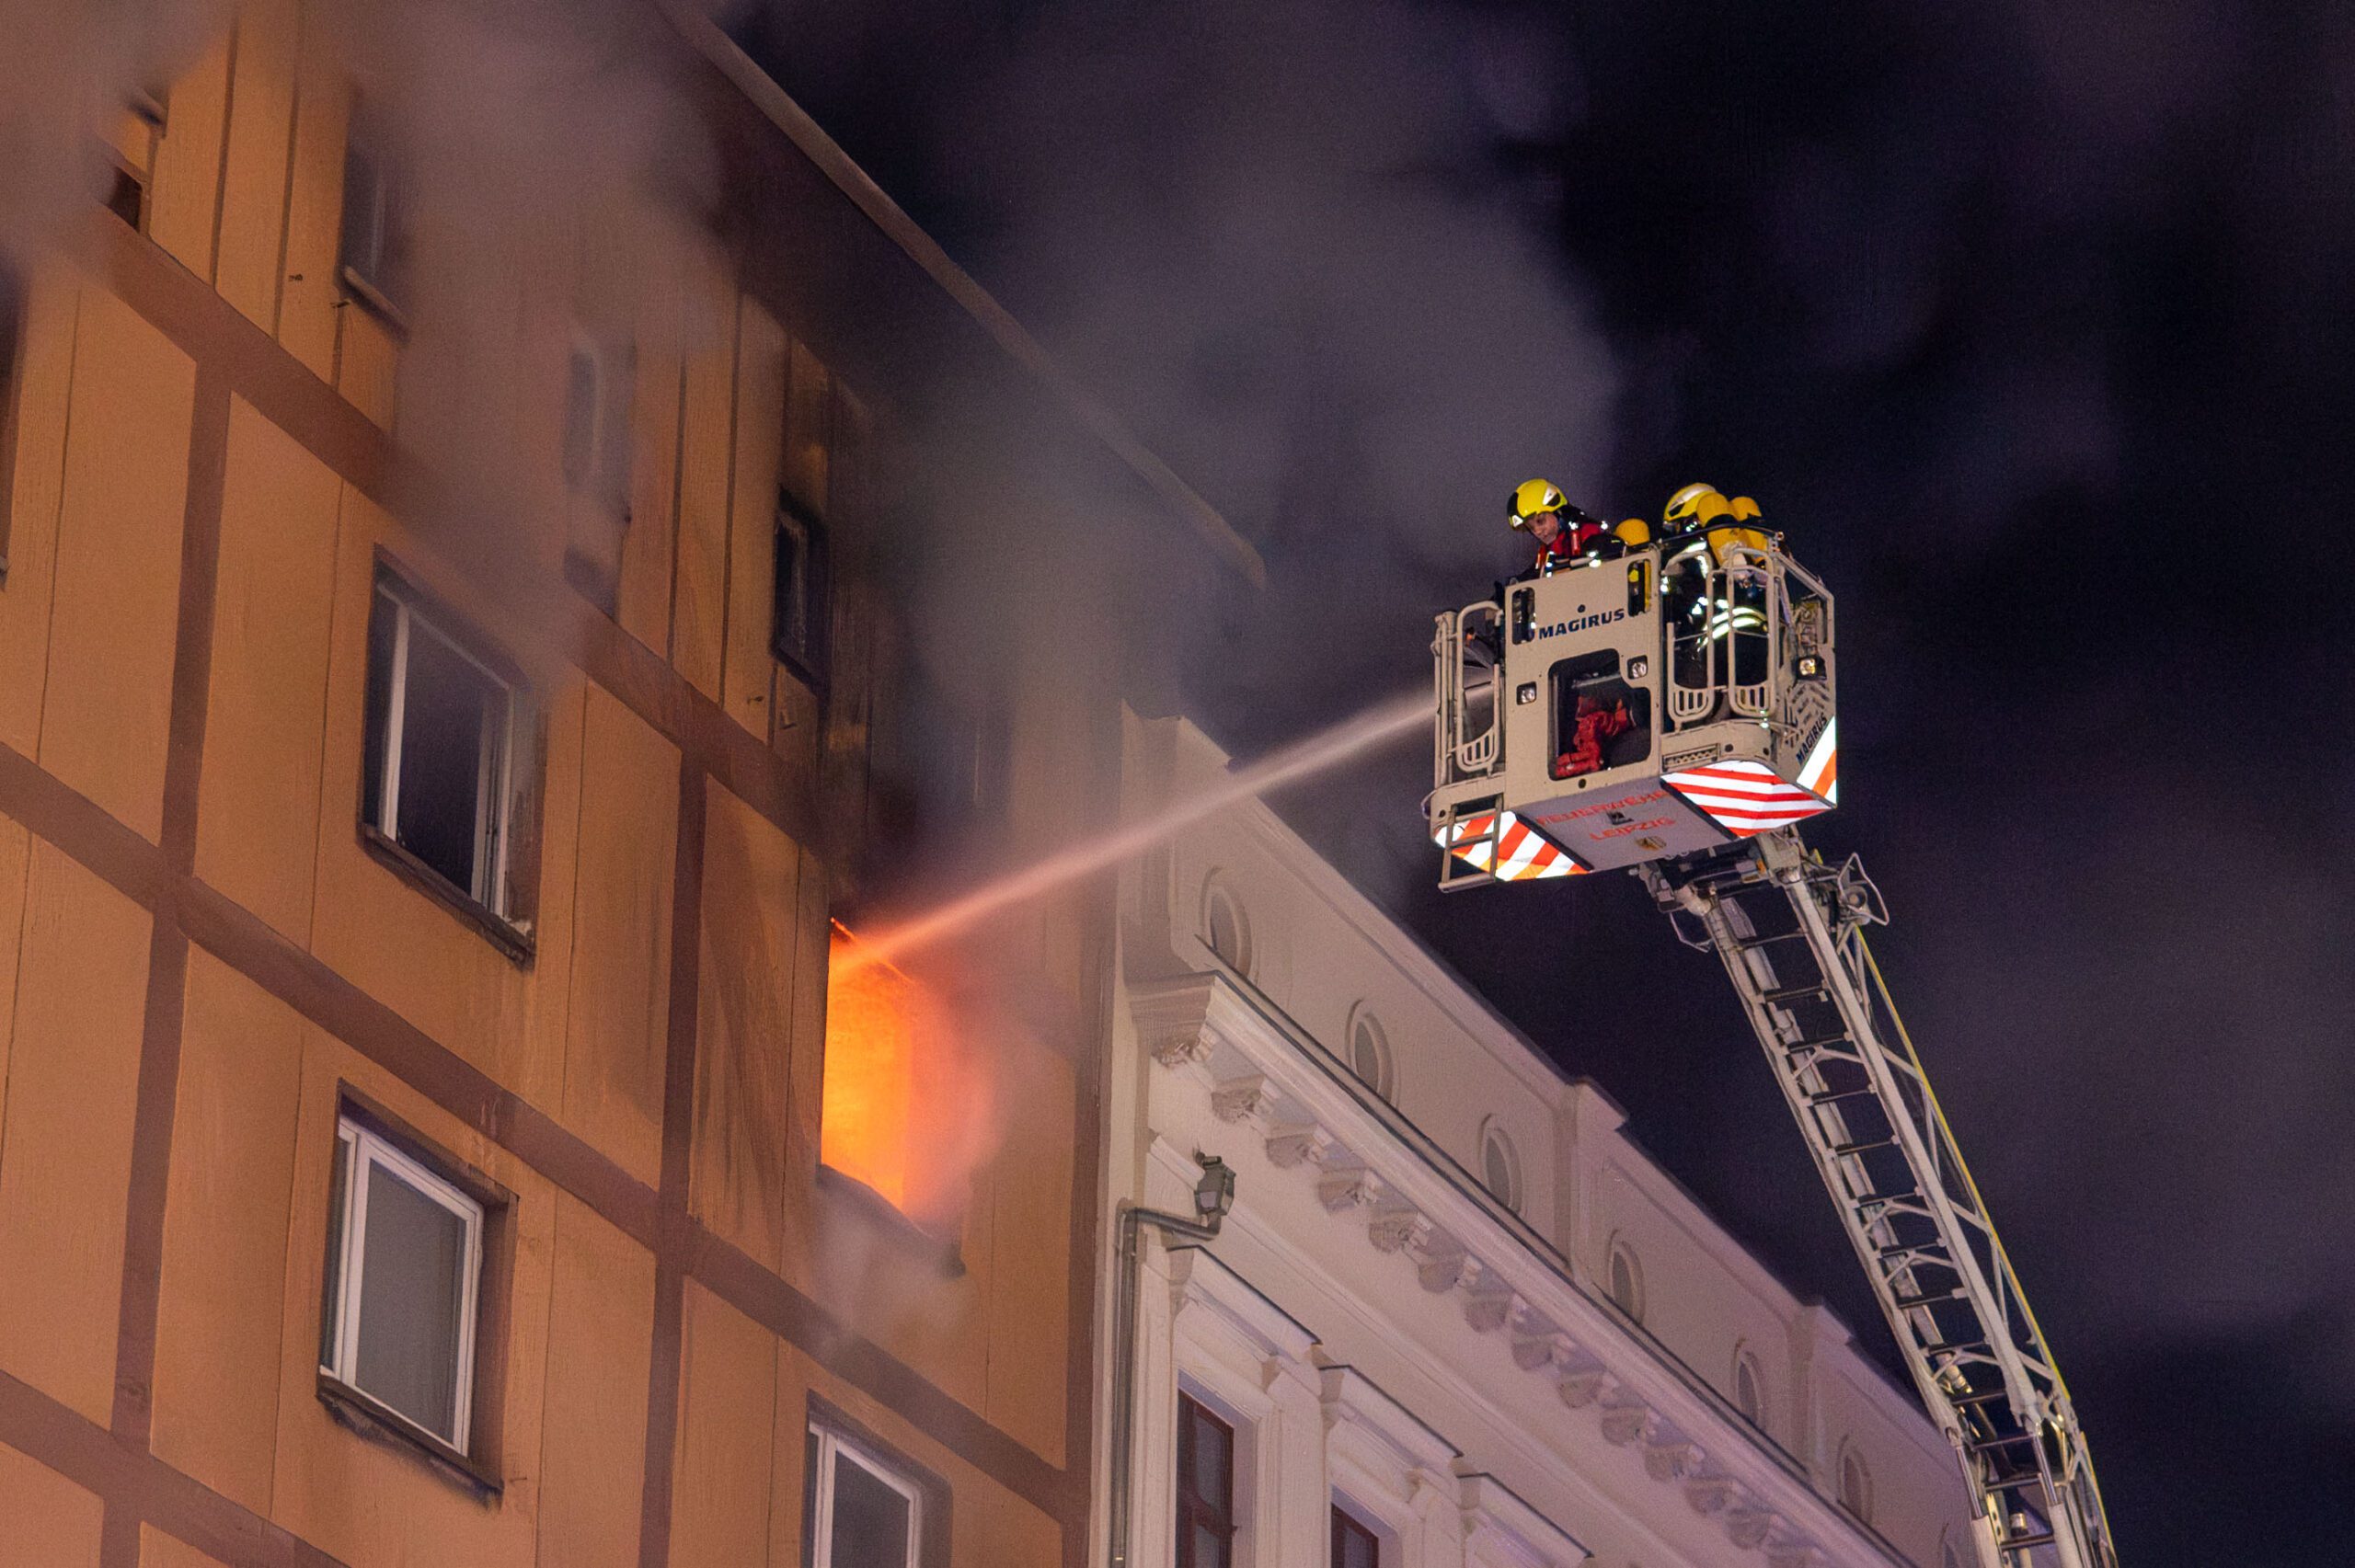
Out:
{"x": 1745, "y": 797}
{"x": 1520, "y": 855}
{"x": 1820, "y": 772}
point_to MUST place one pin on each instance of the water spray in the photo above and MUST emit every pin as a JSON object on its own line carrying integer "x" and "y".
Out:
{"x": 1304, "y": 759}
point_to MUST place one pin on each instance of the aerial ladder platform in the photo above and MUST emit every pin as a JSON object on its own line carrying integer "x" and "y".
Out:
{"x": 1669, "y": 709}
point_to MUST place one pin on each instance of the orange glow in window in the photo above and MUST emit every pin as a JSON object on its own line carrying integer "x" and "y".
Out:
{"x": 902, "y": 1095}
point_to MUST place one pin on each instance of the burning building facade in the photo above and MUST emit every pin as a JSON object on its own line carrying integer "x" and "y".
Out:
{"x": 1455, "y": 1316}
{"x": 423, "y": 1139}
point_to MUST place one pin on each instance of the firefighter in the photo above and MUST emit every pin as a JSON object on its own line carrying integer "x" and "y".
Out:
{"x": 1563, "y": 532}
{"x": 1700, "y": 530}
{"x": 1699, "y": 510}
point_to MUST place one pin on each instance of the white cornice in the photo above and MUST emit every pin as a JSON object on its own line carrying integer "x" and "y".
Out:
{"x": 1354, "y": 1400}
{"x": 1373, "y": 1170}
{"x": 1494, "y": 1513}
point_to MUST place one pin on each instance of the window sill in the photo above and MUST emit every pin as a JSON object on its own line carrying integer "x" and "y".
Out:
{"x": 874, "y": 1208}
{"x": 377, "y": 1421}
{"x": 512, "y": 940}
{"x": 374, "y": 301}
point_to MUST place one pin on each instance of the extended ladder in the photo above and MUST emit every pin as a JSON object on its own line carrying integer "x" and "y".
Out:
{"x": 1790, "y": 931}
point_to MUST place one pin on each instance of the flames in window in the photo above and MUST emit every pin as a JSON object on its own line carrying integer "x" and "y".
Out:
{"x": 907, "y": 1104}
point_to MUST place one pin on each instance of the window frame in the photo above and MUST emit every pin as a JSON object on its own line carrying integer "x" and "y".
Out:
{"x": 375, "y": 286}
{"x": 359, "y": 1146}
{"x": 1384, "y": 1079}
{"x": 808, "y": 663}
{"x": 1215, "y": 893}
{"x": 1344, "y": 1524}
{"x": 1190, "y": 1507}
{"x": 1857, "y": 1500}
{"x": 504, "y": 877}
{"x": 1747, "y": 1370}
{"x": 1620, "y": 1257}
{"x": 146, "y": 107}
{"x": 1495, "y": 1139}
{"x": 829, "y": 1443}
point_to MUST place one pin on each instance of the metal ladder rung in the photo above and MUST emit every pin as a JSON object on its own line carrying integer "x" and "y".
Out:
{"x": 1832, "y": 1096}
{"x": 1862, "y": 1146}
{"x": 1820, "y": 1043}
{"x": 1970, "y": 1401}
{"x": 1990, "y": 1445}
{"x": 1781, "y": 994}
{"x": 1953, "y": 1346}
{"x": 1928, "y": 1298}
{"x": 2022, "y": 1542}
{"x": 2014, "y": 1483}
{"x": 1758, "y": 942}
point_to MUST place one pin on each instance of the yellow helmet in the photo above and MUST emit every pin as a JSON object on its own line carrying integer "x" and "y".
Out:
{"x": 1534, "y": 496}
{"x": 1685, "y": 504}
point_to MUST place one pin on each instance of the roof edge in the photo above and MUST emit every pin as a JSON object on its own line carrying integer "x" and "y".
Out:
{"x": 707, "y": 38}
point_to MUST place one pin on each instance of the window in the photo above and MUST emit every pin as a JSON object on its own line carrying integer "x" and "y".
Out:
{"x": 374, "y": 252}
{"x": 403, "y": 1269}
{"x": 1749, "y": 1394}
{"x": 1205, "y": 1487}
{"x": 1370, "y": 1056}
{"x": 902, "y": 1095}
{"x": 1855, "y": 1484}
{"x": 1599, "y": 719}
{"x": 1224, "y": 928}
{"x": 859, "y": 1511}
{"x": 440, "y": 757}
{"x": 132, "y": 140}
{"x": 802, "y": 598}
{"x": 1626, "y": 1280}
{"x": 599, "y": 381}
{"x": 1354, "y": 1546}
{"x": 1500, "y": 1165}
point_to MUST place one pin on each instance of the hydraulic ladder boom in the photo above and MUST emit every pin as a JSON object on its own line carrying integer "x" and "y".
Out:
{"x": 1790, "y": 931}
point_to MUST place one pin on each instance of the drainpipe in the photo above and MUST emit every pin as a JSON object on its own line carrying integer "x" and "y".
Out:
{"x": 1213, "y": 1197}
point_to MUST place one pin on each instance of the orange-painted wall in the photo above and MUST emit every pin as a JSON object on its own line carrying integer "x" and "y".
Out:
{"x": 296, "y": 966}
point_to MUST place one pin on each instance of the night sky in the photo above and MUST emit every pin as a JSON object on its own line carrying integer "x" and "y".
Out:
{"x": 2030, "y": 324}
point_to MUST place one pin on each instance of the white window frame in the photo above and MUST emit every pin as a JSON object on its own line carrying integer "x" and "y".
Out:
{"x": 494, "y": 774}
{"x": 831, "y": 1448}
{"x": 1493, "y": 1136}
{"x": 1385, "y": 1080}
{"x": 1216, "y": 892}
{"x": 358, "y": 1147}
{"x": 1746, "y": 1365}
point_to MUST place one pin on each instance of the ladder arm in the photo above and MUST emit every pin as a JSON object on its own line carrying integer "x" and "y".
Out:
{"x": 1790, "y": 933}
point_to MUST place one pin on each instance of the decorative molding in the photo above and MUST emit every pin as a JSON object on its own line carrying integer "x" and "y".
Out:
{"x": 1299, "y": 1146}
{"x": 1494, "y": 1514}
{"x": 1356, "y": 1401}
{"x": 1246, "y": 1100}
{"x": 1256, "y": 1074}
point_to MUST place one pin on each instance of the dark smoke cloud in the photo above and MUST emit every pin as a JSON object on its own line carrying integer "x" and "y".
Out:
{"x": 2029, "y": 323}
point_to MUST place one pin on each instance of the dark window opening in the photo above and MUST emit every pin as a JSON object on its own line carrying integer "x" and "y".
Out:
{"x": 941, "y": 774}
{"x": 1205, "y": 1487}
{"x": 126, "y": 196}
{"x": 803, "y": 593}
{"x": 1354, "y": 1546}
{"x": 439, "y": 764}
{"x": 373, "y": 250}
{"x": 1600, "y": 720}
